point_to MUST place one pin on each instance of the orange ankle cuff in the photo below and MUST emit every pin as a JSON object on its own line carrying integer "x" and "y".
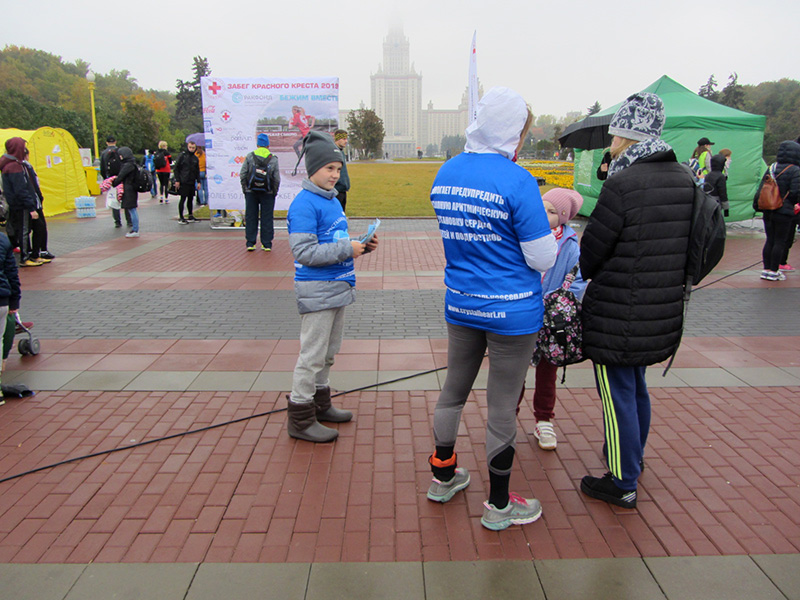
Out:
{"x": 441, "y": 464}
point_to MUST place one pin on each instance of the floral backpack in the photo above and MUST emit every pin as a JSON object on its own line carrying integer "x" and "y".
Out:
{"x": 561, "y": 337}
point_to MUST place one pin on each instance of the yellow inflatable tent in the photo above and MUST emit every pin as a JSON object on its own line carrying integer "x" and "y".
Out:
{"x": 55, "y": 157}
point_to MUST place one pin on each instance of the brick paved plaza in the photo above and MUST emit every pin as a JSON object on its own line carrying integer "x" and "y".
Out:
{"x": 181, "y": 329}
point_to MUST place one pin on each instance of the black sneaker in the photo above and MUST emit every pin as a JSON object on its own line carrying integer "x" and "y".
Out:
{"x": 603, "y": 488}
{"x": 117, "y": 224}
{"x": 191, "y": 219}
{"x": 183, "y": 222}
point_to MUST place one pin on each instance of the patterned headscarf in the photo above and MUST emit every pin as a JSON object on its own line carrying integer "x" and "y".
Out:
{"x": 641, "y": 118}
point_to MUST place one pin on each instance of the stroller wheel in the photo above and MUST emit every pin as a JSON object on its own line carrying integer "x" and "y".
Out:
{"x": 24, "y": 347}
{"x": 34, "y": 347}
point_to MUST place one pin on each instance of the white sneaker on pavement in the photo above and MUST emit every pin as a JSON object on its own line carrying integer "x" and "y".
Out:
{"x": 546, "y": 435}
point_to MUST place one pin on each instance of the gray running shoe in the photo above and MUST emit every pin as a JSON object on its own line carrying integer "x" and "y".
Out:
{"x": 519, "y": 511}
{"x": 442, "y": 491}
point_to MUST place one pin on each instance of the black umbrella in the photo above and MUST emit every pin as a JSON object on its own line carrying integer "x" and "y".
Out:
{"x": 587, "y": 134}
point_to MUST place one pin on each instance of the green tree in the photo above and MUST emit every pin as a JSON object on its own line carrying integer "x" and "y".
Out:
{"x": 453, "y": 144}
{"x": 779, "y": 101}
{"x": 709, "y": 89}
{"x": 188, "y": 101}
{"x": 732, "y": 94}
{"x": 594, "y": 109}
{"x": 365, "y": 132}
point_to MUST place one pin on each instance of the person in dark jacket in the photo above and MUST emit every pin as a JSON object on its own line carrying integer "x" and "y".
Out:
{"x": 634, "y": 253}
{"x": 716, "y": 183}
{"x": 110, "y": 164}
{"x": 129, "y": 201}
{"x": 343, "y": 185}
{"x": 259, "y": 189}
{"x": 602, "y": 170}
{"x": 10, "y": 293}
{"x": 21, "y": 198}
{"x": 38, "y": 225}
{"x": 187, "y": 178}
{"x": 779, "y": 223}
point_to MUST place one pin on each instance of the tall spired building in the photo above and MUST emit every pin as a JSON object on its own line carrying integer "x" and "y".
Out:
{"x": 397, "y": 99}
{"x": 396, "y": 91}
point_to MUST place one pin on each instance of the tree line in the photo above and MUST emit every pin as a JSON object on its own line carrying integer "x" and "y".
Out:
{"x": 40, "y": 89}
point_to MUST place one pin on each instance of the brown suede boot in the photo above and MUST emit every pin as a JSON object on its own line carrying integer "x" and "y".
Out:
{"x": 326, "y": 411}
{"x": 302, "y": 423}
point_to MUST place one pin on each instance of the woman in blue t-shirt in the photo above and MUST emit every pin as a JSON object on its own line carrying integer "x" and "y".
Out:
{"x": 497, "y": 242}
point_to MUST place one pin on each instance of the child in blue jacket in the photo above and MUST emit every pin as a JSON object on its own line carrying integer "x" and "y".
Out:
{"x": 561, "y": 205}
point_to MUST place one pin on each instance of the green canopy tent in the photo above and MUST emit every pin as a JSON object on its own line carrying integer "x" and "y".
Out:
{"x": 690, "y": 117}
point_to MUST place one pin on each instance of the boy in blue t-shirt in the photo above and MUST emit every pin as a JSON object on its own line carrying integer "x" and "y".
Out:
{"x": 324, "y": 284}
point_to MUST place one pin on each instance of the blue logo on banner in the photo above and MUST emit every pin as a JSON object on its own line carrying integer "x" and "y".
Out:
{"x": 237, "y": 97}
{"x": 207, "y": 127}
{"x": 209, "y": 143}
{"x": 218, "y": 179}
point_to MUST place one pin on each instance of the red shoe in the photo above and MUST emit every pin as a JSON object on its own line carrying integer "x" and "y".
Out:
{"x": 16, "y": 250}
{"x": 787, "y": 268}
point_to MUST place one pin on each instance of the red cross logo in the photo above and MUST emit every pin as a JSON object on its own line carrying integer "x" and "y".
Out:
{"x": 226, "y": 116}
{"x": 214, "y": 88}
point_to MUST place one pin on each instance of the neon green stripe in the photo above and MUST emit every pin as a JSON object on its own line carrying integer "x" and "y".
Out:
{"x": 611, "y": 424}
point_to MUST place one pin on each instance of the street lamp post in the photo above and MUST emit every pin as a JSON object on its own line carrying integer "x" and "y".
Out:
{"x": 90, "y": 79}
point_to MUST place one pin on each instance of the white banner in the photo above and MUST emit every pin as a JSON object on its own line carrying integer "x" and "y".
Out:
{"x": 236, "y": 110}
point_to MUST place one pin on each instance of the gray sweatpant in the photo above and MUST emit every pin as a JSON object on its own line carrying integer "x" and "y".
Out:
{"x": 509, "y": 357}
{"x": 320, "y": 339}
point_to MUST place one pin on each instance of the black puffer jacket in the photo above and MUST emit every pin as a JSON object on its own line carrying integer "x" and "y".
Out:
{"x": 187, "y": 170}
{"x": 9, "y": 278}
{"x": 634, "y": 253}
{"x": 127, "y": 178}
{"x": 788, "y": 180}
{"x": 716, "y": 183}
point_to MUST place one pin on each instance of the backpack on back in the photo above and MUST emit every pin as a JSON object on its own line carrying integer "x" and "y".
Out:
{"x": 159, "y": 159}
{"x": 144, "y": 179}
{"x": 561, "y": 337}
{"x": 706, "y": 237}
{"x": 259, "y": 177}
{"x": 769, "y": 196}
{"x": 113, "y": 162}
{"x": 706, "y": 246}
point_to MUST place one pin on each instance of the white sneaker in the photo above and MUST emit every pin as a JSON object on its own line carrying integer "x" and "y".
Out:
{"x": 132, "y": 234}
{"x": 546, "y": 435}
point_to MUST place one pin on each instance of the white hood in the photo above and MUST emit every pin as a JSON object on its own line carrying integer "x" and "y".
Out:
{"x": 501, "y": 116}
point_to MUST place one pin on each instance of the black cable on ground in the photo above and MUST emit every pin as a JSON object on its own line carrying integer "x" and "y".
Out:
{"x": 269, "y": 412}
{"x": 202, "y": 429}
{"x": 700, "y": 287}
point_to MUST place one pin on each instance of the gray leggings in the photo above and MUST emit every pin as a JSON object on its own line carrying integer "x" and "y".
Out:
{"x": 509, "y": 357}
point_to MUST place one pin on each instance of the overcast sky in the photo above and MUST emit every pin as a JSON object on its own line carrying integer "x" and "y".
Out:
{"x": 561, "y": 56}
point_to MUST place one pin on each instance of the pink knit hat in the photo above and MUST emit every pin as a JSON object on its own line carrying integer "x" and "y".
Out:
{"x": 567, "y": 203}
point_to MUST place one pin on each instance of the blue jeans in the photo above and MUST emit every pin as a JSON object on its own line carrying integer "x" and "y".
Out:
{"x": 134, "y": 212}
{"x": 255, "y": 202}
{"x": 202, "y": 192}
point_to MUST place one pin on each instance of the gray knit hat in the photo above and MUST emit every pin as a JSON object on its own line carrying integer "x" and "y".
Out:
{"x": 319, "y": 150}
{"x": 640, "y": 118}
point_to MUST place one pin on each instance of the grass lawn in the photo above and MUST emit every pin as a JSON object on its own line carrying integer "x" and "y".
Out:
{"x": 399, "y": 189}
